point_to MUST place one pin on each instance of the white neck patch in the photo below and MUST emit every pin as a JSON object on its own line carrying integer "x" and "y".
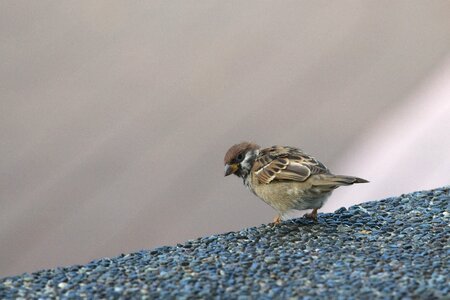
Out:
{"x": 247, "y": 163}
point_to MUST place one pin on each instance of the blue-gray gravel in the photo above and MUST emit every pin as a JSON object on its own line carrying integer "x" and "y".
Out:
{"x": 392, "y": 248}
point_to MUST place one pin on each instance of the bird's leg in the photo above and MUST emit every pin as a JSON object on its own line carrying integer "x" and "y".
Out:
{"x": 277, "y": 220}
{"x": 312, "y": 215}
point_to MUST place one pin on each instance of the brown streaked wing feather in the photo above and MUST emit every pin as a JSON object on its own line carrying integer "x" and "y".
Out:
{"x": 286, "y": 163}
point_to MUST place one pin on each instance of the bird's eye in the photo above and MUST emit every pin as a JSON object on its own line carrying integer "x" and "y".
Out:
{"x": 240, "y": 157}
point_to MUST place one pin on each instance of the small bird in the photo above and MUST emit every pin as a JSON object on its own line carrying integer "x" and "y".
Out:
{"x": 284, "y": 177}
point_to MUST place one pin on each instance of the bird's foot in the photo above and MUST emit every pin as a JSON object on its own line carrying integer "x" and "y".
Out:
{"x": 276, "y": 220}
{"x": 312, "y": 215}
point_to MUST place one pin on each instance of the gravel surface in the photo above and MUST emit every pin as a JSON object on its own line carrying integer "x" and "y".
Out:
{"x": 392, "y": 248}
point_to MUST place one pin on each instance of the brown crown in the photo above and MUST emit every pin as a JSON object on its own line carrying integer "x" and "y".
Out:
{"x": 237, "y": 149}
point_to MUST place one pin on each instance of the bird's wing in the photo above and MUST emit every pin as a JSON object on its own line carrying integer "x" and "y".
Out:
{"x": 286, "y": 163}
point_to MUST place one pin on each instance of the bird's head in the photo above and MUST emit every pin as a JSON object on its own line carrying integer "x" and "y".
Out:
{"x": 239, "y": 159}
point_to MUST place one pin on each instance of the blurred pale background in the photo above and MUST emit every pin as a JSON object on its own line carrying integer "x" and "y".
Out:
{"x": 115, "y": 116}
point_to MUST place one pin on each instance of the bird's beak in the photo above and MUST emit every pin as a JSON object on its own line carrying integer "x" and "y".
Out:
{"x": 230, "y": 169}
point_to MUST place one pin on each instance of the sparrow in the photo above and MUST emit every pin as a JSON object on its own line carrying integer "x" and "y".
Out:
{"x": 284, "y": 177}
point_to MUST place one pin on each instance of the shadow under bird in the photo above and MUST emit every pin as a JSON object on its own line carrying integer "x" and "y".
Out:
{"x": 284, "y": 177}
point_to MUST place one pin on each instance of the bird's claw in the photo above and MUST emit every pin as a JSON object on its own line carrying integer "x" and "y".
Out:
{"x": 276, "y": 220}
{"x": 312, "y": 215}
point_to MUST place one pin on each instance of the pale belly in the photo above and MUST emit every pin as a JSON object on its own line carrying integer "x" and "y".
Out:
{"x": 286, "y": 196}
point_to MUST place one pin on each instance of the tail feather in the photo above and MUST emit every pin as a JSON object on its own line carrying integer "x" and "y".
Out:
{"x": 347, "y": 180}
{"x": 338, "y": 180}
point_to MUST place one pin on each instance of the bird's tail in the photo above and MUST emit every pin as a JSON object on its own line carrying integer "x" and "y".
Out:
{"x": 330, "y": 181}
{"x": 347, "y": 180}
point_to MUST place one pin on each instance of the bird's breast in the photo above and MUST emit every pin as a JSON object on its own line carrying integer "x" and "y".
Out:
{"x": 287, "y": 195}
